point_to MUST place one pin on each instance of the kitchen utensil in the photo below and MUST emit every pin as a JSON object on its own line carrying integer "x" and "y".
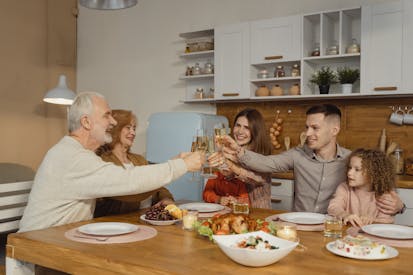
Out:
{"x": 390, "y": 149}
{"x": 397, "y": 116}
{"x": 287, "y": 142}
{"x": 100, "y": 239}
{"x": 383, "y": 140}
{"x": 303, "y": 137}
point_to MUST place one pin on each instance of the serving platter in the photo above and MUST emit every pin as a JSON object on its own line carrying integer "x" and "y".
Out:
{"x": 108, "y": 228}
{"x": 391, "y": 253}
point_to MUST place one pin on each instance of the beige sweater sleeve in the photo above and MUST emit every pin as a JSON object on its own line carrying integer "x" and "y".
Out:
{"x": 339, "y": 203}
{"x": 90, "y": 177}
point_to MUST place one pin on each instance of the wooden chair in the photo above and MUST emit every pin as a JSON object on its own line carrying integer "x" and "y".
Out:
{"x": 13, "y": 200}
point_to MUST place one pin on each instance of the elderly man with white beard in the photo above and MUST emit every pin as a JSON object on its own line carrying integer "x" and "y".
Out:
{"x": 71, "y": 176}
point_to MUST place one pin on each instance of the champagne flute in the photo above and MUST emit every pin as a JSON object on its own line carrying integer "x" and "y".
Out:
{"x": 198, "y": 144}
{"x": 208, "y": 170}
{"x": 220, "y": 131}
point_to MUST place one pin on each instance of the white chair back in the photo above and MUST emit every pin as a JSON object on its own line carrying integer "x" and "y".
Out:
{"x": 13, "y": 200}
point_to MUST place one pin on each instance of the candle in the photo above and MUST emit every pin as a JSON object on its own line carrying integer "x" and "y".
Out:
{"x": 189, "y": 218}
{"x": 287, "y": 232}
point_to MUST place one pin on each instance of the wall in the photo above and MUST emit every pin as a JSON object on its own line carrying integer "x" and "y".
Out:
{"x": 131, "y": 55}
{"x": 37, "y": 45}
{"x": 362, "y": 121}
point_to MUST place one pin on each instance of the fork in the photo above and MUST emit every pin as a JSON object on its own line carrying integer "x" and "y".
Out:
{"x": 100, "y": 239}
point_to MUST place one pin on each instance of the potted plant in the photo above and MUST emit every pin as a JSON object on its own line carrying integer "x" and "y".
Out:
{"x": 324, "y": 78}
{"x": 347, "y": 77}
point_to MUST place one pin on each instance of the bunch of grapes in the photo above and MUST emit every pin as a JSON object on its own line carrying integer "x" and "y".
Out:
{"x": 158, "y": 213}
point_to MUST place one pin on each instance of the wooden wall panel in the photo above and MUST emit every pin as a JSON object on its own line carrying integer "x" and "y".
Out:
{"x": 362, "y": 120}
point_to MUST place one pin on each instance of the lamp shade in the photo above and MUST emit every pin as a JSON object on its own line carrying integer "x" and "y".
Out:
{"x": 61, "y": 94}
{"x": 108, "y": 4}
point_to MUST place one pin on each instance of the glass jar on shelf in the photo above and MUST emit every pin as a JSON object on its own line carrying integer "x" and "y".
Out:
{"x": 188, "y": 71}
{"x": 196, "y": 70}
{"x": 398, "y": 161}
{"x": 279, "y": 71}
{"x": 316, "y": 50}
{"x": 208, "y": 68}
{"x": 354, "y": 47}
{"x": 295, "y": 70}
{"x": 199, "y": 93}
{"x": 211, "y": 93}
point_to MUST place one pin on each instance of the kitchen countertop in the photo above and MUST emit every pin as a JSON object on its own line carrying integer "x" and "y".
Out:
{"x": 402, "y": 181}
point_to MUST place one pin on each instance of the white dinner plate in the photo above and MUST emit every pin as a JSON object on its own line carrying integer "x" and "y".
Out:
{"x": 107, "y": 228}
{"x": 303, "y": 217}
{"x": 391, "y": 231}
{"x": 391, "y": 253}
{"x": 202, "y": 207}
{"x": 158, "y": 222}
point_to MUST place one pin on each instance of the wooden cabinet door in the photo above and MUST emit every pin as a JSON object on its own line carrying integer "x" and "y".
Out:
{"x": 274, "y": 38}
{"x": 381, "y": 47}
{"x": 231, "y": 61}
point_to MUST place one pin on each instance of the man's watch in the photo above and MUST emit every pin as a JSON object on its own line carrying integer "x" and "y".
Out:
{"x": 403, "y": 209}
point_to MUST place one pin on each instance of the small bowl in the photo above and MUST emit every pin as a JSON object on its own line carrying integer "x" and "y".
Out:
{"x": 252, "y": 257}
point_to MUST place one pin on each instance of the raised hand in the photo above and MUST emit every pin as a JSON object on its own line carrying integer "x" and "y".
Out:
{"x": 193, "y": 160}
{"x": 231, "y": 149}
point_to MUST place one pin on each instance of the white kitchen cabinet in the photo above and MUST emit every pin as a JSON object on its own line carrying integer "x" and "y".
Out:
{"x": 382, "y": 39}
{"x": 407, "y": 53}
{"x": 383, "y": 31}
{"x": 406, "y": 195}
{"x": 204, "y": 81}
{"x": 323, "y": 31}
{"x": 282, "y": 194}
{"x": 276, "y": 39}
{"x": 232, "y": 61}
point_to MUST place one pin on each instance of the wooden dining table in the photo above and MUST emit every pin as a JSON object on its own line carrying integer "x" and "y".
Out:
{"x": 177, "y": 251}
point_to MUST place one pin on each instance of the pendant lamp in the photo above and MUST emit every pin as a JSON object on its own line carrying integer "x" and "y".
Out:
{"x": 61, "y": 94}
{"x": 108, "y": 4}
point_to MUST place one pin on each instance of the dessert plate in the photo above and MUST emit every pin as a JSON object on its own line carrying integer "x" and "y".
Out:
{"x": 303, "y": 217}
{"x": 107, "y": 228}
{"x": 391, "y": 231}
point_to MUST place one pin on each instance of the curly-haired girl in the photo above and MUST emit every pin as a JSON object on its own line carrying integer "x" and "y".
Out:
{"x": 370, "y": 174}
